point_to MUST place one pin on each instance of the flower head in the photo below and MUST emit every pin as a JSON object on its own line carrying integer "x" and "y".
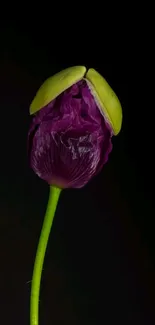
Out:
{"x": 70, "y": 138}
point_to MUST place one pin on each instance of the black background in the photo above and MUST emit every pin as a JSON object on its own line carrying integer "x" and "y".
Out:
{"x": 99, "y": 266}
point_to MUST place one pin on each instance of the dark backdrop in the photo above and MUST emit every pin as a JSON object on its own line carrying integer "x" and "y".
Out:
{"x": 99, "y": 266}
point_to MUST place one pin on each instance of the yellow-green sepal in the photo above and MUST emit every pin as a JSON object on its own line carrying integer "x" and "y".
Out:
{"x": 107, "y": 99}
{"x": 55, "y": 85}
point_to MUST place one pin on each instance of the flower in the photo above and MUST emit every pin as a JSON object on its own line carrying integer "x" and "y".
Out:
{"x": 70, "y": 138}
{"x": 69, "y": 141}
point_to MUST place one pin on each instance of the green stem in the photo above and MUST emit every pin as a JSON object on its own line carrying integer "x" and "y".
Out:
{"x": 41, "y": 250}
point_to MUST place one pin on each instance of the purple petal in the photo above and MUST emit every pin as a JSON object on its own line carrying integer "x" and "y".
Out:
{"x": 69, "y": 140}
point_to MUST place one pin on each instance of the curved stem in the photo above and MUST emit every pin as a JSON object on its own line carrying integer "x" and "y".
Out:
{"x": 41, "y": 250}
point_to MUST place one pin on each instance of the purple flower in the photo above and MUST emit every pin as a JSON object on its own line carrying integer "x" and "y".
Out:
{"x": 69, "y": 139}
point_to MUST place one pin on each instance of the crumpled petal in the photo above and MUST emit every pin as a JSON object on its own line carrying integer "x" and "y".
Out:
{"x": 69, "y": 140}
